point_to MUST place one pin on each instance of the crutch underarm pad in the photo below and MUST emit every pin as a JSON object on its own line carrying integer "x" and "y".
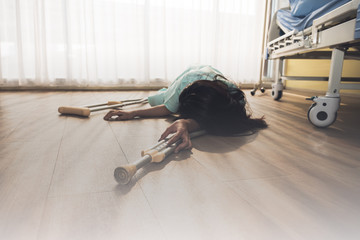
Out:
{"x": 75, "y": 111}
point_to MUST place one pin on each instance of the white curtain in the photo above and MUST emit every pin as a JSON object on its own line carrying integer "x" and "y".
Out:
{"x": 127, "y": 42}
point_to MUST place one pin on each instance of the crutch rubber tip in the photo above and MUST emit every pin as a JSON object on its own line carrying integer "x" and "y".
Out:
{"x": 124, "y": 174}
{"x": 75, "y": 111}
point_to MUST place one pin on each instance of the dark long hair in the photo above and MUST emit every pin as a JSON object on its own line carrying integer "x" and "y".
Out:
{"x": 218, "y": 109}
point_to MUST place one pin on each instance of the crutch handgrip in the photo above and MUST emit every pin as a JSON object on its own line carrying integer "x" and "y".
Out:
{"x": 156, "y": 146}
{"x": 80, "y": 111}
{"x": 155, "y": 155}
{"x": 113, "y": 102}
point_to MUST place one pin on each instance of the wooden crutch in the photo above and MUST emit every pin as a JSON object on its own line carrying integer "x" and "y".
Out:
{"x": 156, "y": 153}
{"x": 85, "y": 110}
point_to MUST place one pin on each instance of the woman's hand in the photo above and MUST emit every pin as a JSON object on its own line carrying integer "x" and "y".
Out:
{"x": 181, "y": 129}
{"x": 122, "y": 115}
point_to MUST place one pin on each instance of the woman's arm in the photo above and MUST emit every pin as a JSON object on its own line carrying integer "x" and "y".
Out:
{"x": 181, "y": 129}
{"x": 156, "y": 111}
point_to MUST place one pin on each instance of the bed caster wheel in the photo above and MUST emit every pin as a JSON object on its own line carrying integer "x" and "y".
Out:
{"x": 277, "y": 91}
{"x": 323, "y": 112}
{"x": 277, "y": 94}
{"x": 252, "y": 92}
{"x": 262, "y": 90}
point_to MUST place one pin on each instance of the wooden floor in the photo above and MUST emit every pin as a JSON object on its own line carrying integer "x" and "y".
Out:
{"x": 290, "y": 181}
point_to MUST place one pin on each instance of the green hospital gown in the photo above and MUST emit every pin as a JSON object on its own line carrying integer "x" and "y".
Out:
{"x": 170, "y": 96}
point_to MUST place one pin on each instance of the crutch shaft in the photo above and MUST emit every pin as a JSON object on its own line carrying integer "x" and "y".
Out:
{"x": 143, "y": 161}
{"x": 117, "y": 105}
{"x": 85, "y": 111}
{"x": 112, "y": 103}
{"x": 103, "y": 104}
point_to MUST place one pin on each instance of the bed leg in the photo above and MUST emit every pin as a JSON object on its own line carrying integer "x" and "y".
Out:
{"x": 337, "y": 59}
{"x": 323, "y": 111}
{"x": 277, "y": 87}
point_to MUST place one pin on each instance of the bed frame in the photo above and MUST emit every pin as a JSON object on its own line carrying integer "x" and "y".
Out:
{"x": 334, "y": 30}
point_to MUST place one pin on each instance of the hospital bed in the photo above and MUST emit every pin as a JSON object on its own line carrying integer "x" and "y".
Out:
{"x": 334, "y": 26}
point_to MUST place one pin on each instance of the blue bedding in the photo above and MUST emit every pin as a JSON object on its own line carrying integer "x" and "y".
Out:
{"x": 302, "y": 13}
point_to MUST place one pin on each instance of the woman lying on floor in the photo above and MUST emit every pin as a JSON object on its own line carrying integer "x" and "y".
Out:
{"x": 204, "y": 99}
